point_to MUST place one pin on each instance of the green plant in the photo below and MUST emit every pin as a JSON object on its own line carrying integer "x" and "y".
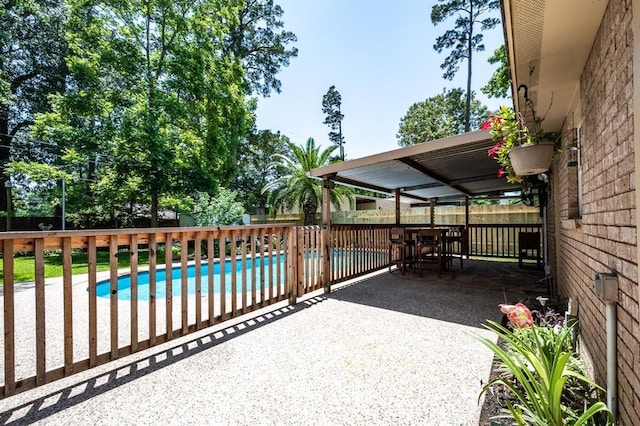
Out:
{"x": 509, "y": 130}
{"x": 542, "y": 380}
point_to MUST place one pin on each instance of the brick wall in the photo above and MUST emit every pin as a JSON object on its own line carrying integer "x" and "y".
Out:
{"x": 604, "y": 239}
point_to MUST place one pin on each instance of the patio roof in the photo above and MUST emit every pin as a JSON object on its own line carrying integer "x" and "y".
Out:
{"x": 452, "y": 167}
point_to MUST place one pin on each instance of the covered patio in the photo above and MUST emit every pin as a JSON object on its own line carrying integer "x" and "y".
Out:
{"x": 379, "y": 349}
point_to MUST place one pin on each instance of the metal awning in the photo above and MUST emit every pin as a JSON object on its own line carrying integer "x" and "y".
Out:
{"x": 452, "y": 167}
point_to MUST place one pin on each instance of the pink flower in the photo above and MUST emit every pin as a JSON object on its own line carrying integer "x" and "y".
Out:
{"x": 492, "y": 151}
{"x": 487, "y": 124}
{"x": 501, "y": 172}
{"x": 519, "y": 315}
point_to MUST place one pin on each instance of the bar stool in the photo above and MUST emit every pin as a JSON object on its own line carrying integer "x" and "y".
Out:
{"x": 401, "y": 249}
{"x": 456, "y": 241}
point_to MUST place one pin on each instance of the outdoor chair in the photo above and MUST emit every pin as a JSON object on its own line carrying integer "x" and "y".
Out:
{"x": 457, "y": 244}
{"x": 401, "y": 250}
{"x": 529, "y": 248}
{"x": 429, "y": 249}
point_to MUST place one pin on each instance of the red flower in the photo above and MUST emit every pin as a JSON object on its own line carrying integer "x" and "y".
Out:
{"x": 519, "y": 315}
{"x": 487, "y": 124}
{"x": 492, "y": 151}
{"x": 501, "y": 172}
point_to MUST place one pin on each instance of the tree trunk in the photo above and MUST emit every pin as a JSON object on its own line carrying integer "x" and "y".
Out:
{"x": 467, "y": 106}
{"x": 154, "y": 210}
{"x": 5, "y": 142}
{"x": 309, "y": 210}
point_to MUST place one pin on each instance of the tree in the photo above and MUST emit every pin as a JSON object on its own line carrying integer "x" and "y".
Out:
{"x": 255, "y": 168}
{"x": 499, "y": 83}
{"x": 296, "y": 189}
{"x": 438, "y": 117}
{"x": 223, "y": 209}
{"x": 32, "y": 66}
{"x": 463, "y": 40}
{"x": 259, "y": 41}
{"x": 331, "y": 102}
{"x": 153, "y": 101}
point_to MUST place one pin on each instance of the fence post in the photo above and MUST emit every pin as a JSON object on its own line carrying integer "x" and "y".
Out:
{"x": 292, "y": 263}
{"x": 325, "y": 244}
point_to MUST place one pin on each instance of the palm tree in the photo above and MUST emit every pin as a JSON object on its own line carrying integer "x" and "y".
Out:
{"x": 295, "y": 188}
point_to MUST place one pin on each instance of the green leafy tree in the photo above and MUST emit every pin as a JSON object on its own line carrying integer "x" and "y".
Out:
{"x": 438, "y": 117}
{"x": 331, "y": 103}
{"x": 296, "y": 189}
{"x": 261, "y": 43}
{"x": 499, "y": 83}
{"x": 32, "y": 66}
{"x": 36, "y": 191}
{"x": 255, "y": 166}
{"x": 223, "y": 209}
{"x": 154, "y": 102}
{"x": 463, "y": 39}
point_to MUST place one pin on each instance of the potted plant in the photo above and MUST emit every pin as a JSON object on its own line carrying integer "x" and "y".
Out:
{"x": 518, "y": 151}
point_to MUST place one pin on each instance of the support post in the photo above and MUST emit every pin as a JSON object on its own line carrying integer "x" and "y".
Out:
{"x": 398, "y": 206}
{"x": 432, "y": 211}
{"x": 325, "y": 242}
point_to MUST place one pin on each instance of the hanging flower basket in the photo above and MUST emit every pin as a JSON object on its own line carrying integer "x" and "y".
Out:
{"x": 531, "y": 159}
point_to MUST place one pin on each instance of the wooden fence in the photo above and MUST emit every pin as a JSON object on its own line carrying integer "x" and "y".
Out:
{"x": 498, "y": 240}
{"x": 57, "y": 327}
{"x": 69, "y": 324}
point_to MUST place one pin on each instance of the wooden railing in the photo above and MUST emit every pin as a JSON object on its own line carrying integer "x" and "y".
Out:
{"x": 58, "y": 327}
{"x": 358, "y": 250}
{"x": 498, "y": 240}
{"x": 67, "y": 323}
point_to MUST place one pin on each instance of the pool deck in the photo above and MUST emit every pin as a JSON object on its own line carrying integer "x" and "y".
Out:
{"x": 382, "y": 349}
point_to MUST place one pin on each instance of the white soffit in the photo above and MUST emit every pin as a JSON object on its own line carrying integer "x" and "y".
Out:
{"x": 550, "y": 41}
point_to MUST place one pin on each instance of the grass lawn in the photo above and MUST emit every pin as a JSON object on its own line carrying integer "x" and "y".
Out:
{"x": 24, "y": 266}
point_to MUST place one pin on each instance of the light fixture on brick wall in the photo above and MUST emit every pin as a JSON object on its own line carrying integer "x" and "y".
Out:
{"x": 573, "y": 148}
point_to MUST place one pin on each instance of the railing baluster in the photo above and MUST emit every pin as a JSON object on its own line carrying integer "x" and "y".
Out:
{"x": 153, "y": 247}
{"x": 113, "y": 286}
{"x": 198, "y": 277}
{"x": 254, "y": 267}
{"x": 263, "y": 259}
{"x": 210, "y": 275}
{"x": 133, "y": 255}
{"x": 271, "y": 240}
{"x": 184, "y": 277}
{"x": 41, "y": 355}
{"x": 234, "y": 289}
{"x": 93, "y": 301}
{"x": 222, "y": 264}
{"x": 243, "y": 254}
{"x": 168, "y": 273}
{"x": 68, "y": 305}
{"x": 9, "y": 319}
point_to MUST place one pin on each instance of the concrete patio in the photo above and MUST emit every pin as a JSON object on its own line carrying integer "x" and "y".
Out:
{"x": 383, "y": 349}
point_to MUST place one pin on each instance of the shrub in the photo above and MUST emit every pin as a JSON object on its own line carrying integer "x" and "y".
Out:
{"x": 542, "y": 380}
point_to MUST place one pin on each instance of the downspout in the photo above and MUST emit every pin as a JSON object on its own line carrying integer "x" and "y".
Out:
{"x": 612, "y": 364}
{"x": 606, "y": 288}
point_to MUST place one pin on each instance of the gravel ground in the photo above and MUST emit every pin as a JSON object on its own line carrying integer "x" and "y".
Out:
{"x": 387, "y": 349}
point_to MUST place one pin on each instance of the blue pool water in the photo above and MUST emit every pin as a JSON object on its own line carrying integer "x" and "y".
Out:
{"x": 103, "y": 288}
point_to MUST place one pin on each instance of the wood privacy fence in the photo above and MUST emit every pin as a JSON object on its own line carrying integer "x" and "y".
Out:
{"x": 57, "y": 327}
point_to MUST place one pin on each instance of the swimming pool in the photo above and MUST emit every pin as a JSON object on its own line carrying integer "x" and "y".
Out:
{"x": 103, "y": 288}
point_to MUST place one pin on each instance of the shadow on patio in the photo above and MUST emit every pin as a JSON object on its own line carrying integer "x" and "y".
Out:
{"x": 460, "y": 296}
{"x": 384, "y": 348}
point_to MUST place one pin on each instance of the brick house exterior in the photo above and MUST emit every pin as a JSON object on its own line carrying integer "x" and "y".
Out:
{"x": 592, "y": 219}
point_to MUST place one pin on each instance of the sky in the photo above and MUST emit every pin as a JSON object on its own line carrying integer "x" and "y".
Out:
{"x": 379, "y": 54}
